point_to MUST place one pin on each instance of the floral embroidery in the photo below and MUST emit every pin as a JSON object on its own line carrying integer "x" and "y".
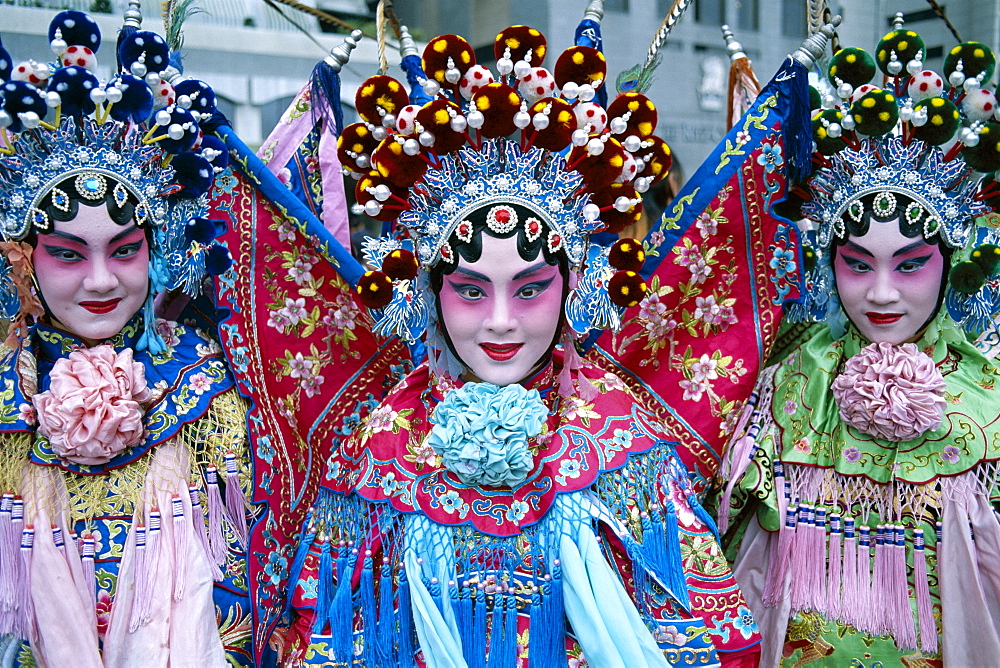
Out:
{"x": 951, "y": 454}
{"x": 851, "y": 454}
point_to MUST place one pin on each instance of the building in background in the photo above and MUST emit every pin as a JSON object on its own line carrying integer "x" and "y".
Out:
{"x": 256, "y": 59}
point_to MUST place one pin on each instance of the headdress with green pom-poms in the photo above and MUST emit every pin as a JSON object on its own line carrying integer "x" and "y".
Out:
{"x": 916, "y": 133}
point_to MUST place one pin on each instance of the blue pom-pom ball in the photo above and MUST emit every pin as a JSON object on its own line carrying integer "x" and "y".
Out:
{"x": 137, "y": 99}
{"x": 76, "y": 29}
{"x": 144, "y": 48}
{"x": 74, "y": 84}
{"x": 203, "y": 230}
{"x": 193, "y": 174}
{"x": 214, "y": 150}
{"x": 217, "y": 259}
{"x": 19, "y": 98}
{"x": 198, "y": 93}
{"x": 174, "y": 116}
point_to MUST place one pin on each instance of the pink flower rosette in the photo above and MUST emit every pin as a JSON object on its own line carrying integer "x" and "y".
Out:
{"x": 893, "y": 392}
{"x": 94, "y": 406}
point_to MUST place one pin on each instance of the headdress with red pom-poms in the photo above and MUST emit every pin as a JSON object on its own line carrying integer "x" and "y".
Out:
{"x": 524, "y": 136}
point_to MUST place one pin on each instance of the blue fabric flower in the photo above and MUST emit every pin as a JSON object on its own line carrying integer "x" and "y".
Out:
{"x": 481, "y": 432}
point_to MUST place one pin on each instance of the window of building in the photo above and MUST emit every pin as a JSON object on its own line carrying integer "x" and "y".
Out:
{"x": 793, "y": 18}
{"x": 712, "y": 12}
{"x": 616, "y": 5}
{"x": 748, "y": 14}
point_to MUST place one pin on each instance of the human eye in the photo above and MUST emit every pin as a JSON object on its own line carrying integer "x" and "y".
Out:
{"x": 856, "y": 265}
{"x": 532, "y": 290}
{"x": 62, "y": 253}
{"x": 127, "y": 251}
{"x": 913, "y": 265}
{"x": 468, "y": 291}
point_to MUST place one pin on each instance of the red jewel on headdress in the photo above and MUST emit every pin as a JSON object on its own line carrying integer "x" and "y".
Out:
{"x": 464, "y": 231}
{"x": 501, "y": 219}
{"x": 555, "y": 242}
{"x": 532, "y": 228}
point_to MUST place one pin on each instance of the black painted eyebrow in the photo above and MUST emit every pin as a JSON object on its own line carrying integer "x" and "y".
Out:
{"x": 857, "y": 248}
{"x": 475, "y": 275}
{"x": 124, "y": 233}
{"x": 906, "y": 249}
{"x": 531, "y": 270}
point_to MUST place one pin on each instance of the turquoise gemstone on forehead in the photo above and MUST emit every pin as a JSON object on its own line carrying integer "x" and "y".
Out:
{"x": 92, "y": 184}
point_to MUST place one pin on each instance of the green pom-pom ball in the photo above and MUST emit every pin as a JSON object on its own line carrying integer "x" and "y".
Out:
{"x": 985, "y": 156}
{"x": 852, "y": 65}
{"x": 906, "y": 45}
{"x": 976, "y": 59}
{"x": 987, "y": 257}
{"x": 875, "y": 113}
{"x": 826, "y": 144}
{"x": 967, "y": 277}
{"x": 942, "y": 123}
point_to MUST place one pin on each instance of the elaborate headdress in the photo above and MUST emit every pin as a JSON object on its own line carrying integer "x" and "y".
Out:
{"x": 135, "y": 138}
{"x": 529, "y": 137}
{"x": 912, "y": 135}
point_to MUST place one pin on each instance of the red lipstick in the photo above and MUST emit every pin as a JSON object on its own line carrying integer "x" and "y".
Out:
{"x": 883, "y": 318}
{"x": 501, "y": 352}
{"x": 99, "y": 308}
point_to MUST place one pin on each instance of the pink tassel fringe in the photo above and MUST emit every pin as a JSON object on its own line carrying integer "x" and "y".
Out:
{"x": 902, "y": 618}
{"x": 198, "y": 522}
{"x": 236, "y": 504}
{"x": 180, "y": 546}
{"x": 777, "y": 568}
{"x": 135, "y": 615}
{"x": 925, "y": 612}
{"x": 216, "y": 537}
{"x": 850, "y": 598}
{"x": 9, "y": 559}
{"x": 835, "y": 568}
{"x": 25, "y": 626}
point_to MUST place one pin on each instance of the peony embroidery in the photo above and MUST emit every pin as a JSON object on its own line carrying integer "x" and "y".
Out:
{"x": 891, "y": 392}
{"x": 481, "y": 432}
{"x": 94, "y": 406}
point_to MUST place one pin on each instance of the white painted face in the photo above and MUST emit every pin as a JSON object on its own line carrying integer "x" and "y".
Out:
{"x": 93, "y": 274}
{"x": 501, "y": 312}
{"x": 888, "y": 284}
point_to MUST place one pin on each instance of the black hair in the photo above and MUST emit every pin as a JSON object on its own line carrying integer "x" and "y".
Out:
{"x": 121, "y": 215}
{"x": 527, "y": 249}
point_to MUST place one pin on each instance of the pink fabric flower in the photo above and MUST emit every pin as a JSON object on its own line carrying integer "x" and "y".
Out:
{"x": 92, "y": 409}
{"x": 891, "y": 392}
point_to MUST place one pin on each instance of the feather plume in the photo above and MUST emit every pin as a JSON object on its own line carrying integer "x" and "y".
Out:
{"x": 175, "y": 13}
{"x": 816, "y": 13}
{"x": 638, "y": 78}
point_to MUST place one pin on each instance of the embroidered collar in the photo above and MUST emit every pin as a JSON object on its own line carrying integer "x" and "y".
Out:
{"x": 187, "y": 375}
{"x": 389, "y": 457}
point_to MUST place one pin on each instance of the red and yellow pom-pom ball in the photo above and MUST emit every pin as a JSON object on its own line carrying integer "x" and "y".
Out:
{"x": 437, "y": 53}
{"x": 356, "y": 140}
{"x": 400, "y": 265}
{"x": 641, "y": 114}
{"x": 581, "y": 65}
{"x": 626, "y": 289}
{"x": 498, "y": 103}
{"x": 375, "y": 289}
{"x": 380, "y": 93}
{"x": 627, "y": 255}
{"x": 520, "y": 40}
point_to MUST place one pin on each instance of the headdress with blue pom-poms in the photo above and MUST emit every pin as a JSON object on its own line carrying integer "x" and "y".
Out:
{"x": 135, "y": 134}
{"x": 926, "y": 136}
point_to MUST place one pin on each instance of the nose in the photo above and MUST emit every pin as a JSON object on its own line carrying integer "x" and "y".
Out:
{"x": 501, "y": 318}
{"x": 883, "y": 289}
{"x": 100, "y": 278}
